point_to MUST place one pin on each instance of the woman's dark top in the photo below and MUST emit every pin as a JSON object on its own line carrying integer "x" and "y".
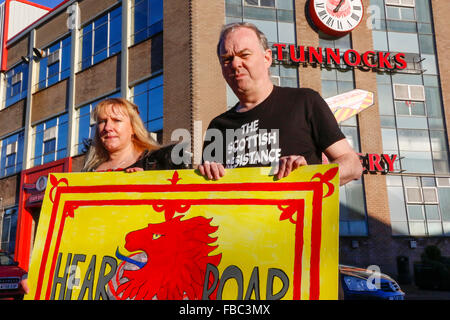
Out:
{"x": 160, "y": 159}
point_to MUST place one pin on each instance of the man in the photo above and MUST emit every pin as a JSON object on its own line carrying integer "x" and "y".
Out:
{"x": 298, "y": 119}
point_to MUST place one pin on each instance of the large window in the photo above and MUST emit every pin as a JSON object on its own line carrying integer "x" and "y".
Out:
{"x": 147, "y": 19}
{"x": 101, "y": 38}
{"x": 11, "y": 154}
{"x": 148, "y": 96}
{"x": 50, "y": 140}
{"x": 352, "y": 203}
{"x": 55, "y": 66}
{"x": 86, "y": 125}
{"x": 420, "y": 206}
{"x": 406, "y": 29}
{"x": 8, "y": 227}
{"x": 16, "y": 83}
{"x": 410, "y": 100}
{"x": 412, "y": 120}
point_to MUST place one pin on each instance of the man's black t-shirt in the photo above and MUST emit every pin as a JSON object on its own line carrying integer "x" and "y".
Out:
{"x": 290, "y": 121}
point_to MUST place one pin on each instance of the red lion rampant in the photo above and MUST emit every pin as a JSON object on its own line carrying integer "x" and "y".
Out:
{"x": 177, "y": 254}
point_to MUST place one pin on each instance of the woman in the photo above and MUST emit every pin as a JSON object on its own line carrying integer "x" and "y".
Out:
{"x": 121, "y": 141}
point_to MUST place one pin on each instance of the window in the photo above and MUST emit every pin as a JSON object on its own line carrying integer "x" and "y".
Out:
{"x": 55, "y": 66}
{"x": 336, "y": 80}
{"x": 147, "y": 19}
{"x": 420, "y": 151}
{"x": 8, "y": 227}
{"x": 49, "y": 146}
{"x": 415, "y": 133}
{"x": 405, "y": 3}
{"x": 352, "y": 209}
{"x": 16, "y": 84}
{"x": 419, "y": 206}
{"x": 260, "y": 3}
{"x": 402, "y": 16}
{"x": 409, "y": 92}
{"x": 148, "y": 96}
{"x": 50, "y": 140}
{"x": 86, "y": 125}
{"x": 10, "y": 160}
{"x": 409, "y": 100}
{"x": 403, "y": 42}
{"x": 413, "y": 64}
{"x": 101, "y": 38}
{"x": 400, "y": 13}
{"x": 11, "y": 154}
{"x": 352, "y": 205}
{"x": 410, "y": 108}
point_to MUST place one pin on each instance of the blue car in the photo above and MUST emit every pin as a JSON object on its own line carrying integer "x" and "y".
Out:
{"x": 363, "y": 284}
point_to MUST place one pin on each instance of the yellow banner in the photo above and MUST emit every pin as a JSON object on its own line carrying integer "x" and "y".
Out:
{"x": 175, "y": 235}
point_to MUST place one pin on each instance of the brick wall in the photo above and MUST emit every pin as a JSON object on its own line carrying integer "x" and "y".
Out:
{"x": 49, "y": 101}
{"x": 9, "y": 187}
{"x": 101, "y": 78}
{"x": 145, "y": 58}
{"x": 309, "y": 77}
{"x": 78, "y": 163}
{"x": 16, "y": 51}
{"x": 52, "y": 30}
{"x": 12, "y": 118}
{"x": 91, "y": 8}
{"x": 209, "y": 87}
{"x": 442, "y": 34}
{"x": 177, "y": 67}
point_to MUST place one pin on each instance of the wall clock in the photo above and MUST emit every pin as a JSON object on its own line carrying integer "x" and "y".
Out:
{"x": 336, "y": 17}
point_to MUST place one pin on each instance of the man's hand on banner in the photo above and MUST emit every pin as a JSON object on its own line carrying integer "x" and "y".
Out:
{"x": 212, "y": 170}
{"x": 215, "y": 171}
{"x": 288, "y": 164}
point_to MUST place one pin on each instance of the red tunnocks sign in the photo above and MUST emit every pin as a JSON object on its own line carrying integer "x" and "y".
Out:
{"x": 333, "y": 56}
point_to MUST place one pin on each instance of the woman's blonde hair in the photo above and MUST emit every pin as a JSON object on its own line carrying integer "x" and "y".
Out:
{"x": 141, "y": 139}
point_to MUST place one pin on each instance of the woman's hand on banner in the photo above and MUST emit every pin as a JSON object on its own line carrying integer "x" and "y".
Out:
{"x": 134, "y": 169}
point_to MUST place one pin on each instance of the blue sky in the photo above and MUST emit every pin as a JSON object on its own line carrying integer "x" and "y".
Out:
{"x": 47, "y": 3}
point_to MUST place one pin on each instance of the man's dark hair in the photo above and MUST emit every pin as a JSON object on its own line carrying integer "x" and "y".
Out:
{"x": 236, "y": 25}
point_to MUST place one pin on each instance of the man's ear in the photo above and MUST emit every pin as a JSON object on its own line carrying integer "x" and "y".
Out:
{"x": 268, "y": 57}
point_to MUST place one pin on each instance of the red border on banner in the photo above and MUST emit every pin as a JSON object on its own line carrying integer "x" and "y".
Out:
{"x": 297, "y": 206}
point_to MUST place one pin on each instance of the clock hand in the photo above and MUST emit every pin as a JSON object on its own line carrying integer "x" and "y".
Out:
{"x": 338, "y": 6}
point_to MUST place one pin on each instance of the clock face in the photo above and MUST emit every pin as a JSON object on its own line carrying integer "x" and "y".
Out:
{"x": 336, "y": 17}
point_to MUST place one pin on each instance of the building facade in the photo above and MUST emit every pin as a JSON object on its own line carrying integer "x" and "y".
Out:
{"x": 162, "y": 55}
{"x": 10, "y": 24}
